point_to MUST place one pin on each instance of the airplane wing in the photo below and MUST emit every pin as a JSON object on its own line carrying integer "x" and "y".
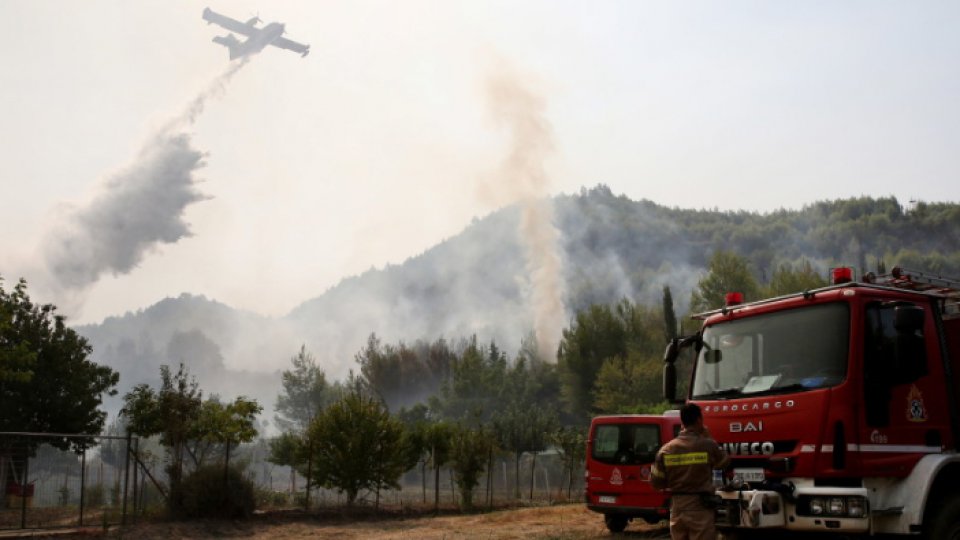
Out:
{"x": 285, "y": 43}
{"x": 230, "y": 24}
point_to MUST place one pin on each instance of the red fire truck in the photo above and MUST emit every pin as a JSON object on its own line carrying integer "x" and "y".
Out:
{"x": 620, "y": 452}
{"x": 838, "y": 406}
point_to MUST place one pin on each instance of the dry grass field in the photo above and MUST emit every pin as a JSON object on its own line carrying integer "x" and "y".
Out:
{"x": 567, "y": 522}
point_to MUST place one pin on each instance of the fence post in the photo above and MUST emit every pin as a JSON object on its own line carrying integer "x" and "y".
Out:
{"x": 23, "y": 489}
{"x": 136, "y": 467}
{"x": 309, "y": 471}
{"x": 83, "y": 481}
{"x": 126, "y": 478}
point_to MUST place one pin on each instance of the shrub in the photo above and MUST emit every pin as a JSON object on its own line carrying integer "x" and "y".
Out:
{"x": 95, "y": 496}
{"x": 277, "y": 499}
{"x": 207, "y": 493}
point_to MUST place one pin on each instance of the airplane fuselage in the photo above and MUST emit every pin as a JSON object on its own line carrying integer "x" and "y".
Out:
{"x": 265, "y": 36}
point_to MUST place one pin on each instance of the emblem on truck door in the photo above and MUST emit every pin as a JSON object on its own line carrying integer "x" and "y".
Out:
{"x": 916, "y": 410}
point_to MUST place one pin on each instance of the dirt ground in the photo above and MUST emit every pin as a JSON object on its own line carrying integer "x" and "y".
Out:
{"x": 563, "y": 522}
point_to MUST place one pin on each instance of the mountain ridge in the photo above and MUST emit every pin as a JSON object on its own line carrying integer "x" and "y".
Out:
{"x": 477, "y": 282}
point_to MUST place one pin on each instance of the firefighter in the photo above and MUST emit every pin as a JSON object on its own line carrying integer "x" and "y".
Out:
{"x": 685, "y": 466}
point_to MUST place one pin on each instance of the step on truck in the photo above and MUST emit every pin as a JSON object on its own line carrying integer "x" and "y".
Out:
{"x": 838, "y": 406}
{"x": 620, "y": 453}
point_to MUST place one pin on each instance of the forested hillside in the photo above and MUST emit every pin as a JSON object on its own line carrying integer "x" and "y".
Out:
{"x": 476, "y": 284}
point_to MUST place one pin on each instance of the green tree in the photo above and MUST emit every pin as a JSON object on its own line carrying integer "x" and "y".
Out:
{"x": 728, "y": 272}
{"x": 616, "y": 389}
{"x": 305, "y": 392}
{"x": 179, "y": 415}
{"x": 468, "y": 450}
{"x": 438, "y": 437}
{"x": 47, "y": 382}
{"x": 596, "y": 334}
{"x": 572, "y": 443}
{"x": 520, "y": 429}
{"x": 416, "y": 425}
{"x": 669, "y": 316}
{"x": 401, "y": 375}
{"x": 619, "y": 350}
{"x": 223, "y": 424}
{"x": 17, "y": 359}
{"x": 354, "y": 444}
{"x": 476, "y": 387}
{"x": 288, "y": 450}
{"x": 787, "y": 280}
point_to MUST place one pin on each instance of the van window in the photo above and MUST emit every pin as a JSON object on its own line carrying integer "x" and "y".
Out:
{"x": 626, "y": 444}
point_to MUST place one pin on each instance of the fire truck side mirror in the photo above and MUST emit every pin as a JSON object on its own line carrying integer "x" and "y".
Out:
{"x": 670, "y": 382}
{"x": 670, "y": 370}
{"x": 673, "y": 350}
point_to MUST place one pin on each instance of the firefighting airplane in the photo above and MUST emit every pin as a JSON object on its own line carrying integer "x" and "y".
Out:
{"x": 257, "y": 38}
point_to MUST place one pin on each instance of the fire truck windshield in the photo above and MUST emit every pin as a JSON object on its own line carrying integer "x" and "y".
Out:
{"x": 776, "y": 352}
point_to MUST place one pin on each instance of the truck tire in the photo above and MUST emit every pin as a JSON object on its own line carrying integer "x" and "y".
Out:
{"x": 944, "y": 523}
{"x": 616, "y": 524}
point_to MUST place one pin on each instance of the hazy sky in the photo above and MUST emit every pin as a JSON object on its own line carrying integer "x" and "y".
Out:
{"x": 371, "y": 149}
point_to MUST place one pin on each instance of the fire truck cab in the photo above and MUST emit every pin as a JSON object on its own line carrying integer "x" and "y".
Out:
{"x": 620, "y": 452}
{"x": 838, "y": 406}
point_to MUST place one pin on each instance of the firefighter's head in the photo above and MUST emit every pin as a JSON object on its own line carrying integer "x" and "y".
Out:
{"x": 691, "y": 415}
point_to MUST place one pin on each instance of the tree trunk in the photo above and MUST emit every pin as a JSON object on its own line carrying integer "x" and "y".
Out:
{"x": 490, "y": 479}
{"x": 453, "y": 491}
{"x": 423, "y": 479}
{"x": 436, "y": 486}
{"x": 533, "y": 469}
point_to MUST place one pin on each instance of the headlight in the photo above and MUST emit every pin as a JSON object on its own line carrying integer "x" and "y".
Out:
{"x": 837, "y": 506}
{"x": 849, "y": 506}
{"x": 816, "y": 506}
{"x": 856, "y": 507}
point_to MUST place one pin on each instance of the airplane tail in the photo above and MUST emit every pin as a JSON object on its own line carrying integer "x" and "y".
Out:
{"x": 229, "y": 41}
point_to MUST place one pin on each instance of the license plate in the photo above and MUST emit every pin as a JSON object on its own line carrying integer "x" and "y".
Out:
{"x": 748, "y": 475}
{"x": 608, "y": 499}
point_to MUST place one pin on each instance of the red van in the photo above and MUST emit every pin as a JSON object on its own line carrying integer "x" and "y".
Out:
{"x": 620, "y": 452}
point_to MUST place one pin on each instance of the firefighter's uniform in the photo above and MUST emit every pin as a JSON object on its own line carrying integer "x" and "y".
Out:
{"x": 685, "y": 466}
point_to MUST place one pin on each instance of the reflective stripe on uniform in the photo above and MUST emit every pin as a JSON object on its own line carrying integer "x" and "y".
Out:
{"x": 690, "y": 458}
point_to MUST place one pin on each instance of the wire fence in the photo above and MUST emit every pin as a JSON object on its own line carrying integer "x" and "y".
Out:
{"x": 543, "y": 481}
{"x": 56, "y": 480}
{"x": 68, "y": 480}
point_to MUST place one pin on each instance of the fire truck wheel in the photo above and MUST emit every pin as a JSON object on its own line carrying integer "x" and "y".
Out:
{"x": 945, "y": 524}
{"x": 616, "y": 524}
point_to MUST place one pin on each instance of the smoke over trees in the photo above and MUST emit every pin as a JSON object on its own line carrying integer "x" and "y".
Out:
{"x": 609, "y": 361}
{"x": 612, "y": 248}
{"x": 522, "y": 176}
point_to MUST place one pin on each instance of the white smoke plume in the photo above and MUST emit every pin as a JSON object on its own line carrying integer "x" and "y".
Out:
{"x": 522, "y": 176}
{"x": 137, "y": 208}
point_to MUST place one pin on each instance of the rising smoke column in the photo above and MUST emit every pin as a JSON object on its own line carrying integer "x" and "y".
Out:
{"x": 137, "y": 208}
{"x": 522, "y": 176}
